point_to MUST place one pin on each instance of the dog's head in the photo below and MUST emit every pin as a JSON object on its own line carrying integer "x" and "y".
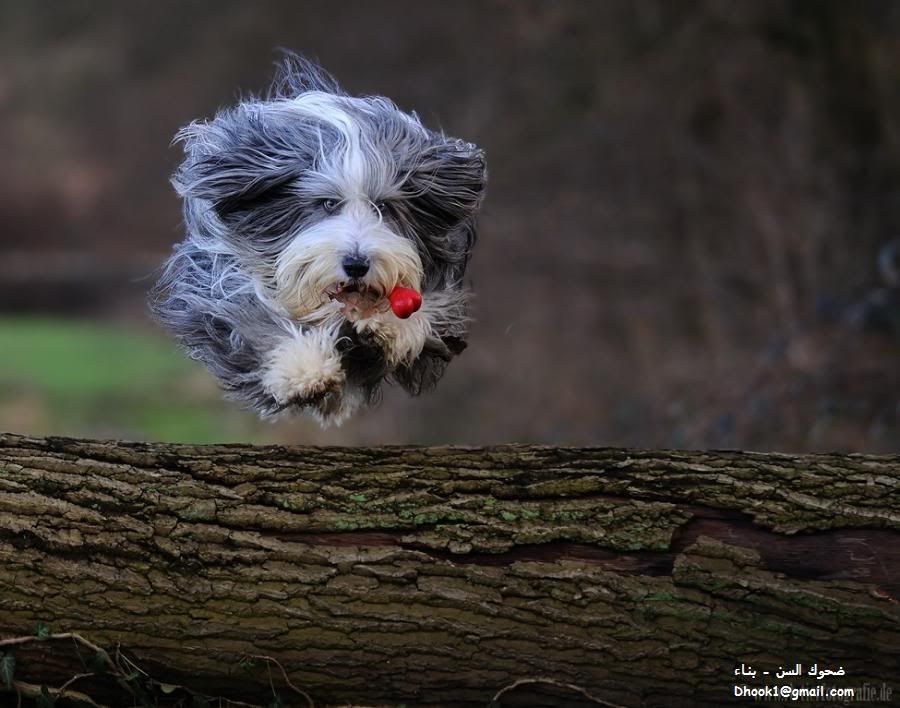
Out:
{"x": 320, "y": 194}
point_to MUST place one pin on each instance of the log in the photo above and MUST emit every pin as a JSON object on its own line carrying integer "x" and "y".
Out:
{"x": 164, "y": 574}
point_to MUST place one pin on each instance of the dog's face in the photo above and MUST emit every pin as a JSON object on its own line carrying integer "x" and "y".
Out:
{"x": 322, "y": 195}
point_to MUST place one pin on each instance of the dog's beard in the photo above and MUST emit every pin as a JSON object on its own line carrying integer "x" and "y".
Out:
{"x": 311, "y": 285}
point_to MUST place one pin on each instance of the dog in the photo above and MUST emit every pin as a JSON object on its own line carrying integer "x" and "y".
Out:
{"x": 304, "y": 210}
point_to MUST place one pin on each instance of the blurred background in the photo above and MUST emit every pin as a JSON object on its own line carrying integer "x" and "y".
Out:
{"x": 689, "y": 239}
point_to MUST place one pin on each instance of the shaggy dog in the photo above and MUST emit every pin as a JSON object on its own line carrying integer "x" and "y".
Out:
{"x": 305, "y": 212}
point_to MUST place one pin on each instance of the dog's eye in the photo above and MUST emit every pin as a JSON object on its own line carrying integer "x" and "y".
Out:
{"x": 381, "y": 206}
{"x": 329, "y": 206}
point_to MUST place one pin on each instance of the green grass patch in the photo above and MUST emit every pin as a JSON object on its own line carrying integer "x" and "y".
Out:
{"x": 62, "y": 377}
{"x": 83, "y": 359}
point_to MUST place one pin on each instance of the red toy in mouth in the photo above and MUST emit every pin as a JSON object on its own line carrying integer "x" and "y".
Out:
{"x": 359, "y": 301}
{"x": 404, "y": 301}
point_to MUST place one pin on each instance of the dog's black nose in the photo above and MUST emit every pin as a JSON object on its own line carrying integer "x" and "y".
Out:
{"x": 355, "y": 266}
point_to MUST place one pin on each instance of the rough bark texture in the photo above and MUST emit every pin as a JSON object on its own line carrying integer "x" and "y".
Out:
{"x": 438, "y": 576}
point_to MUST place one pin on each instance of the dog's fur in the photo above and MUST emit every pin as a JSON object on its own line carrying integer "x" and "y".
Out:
{"x": 278, "y": 193}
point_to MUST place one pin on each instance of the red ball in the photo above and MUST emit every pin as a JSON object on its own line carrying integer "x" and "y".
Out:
{"x": 404, "y": 301}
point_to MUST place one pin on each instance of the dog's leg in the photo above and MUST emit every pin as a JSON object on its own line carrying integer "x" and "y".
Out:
{"x": 400, "y": 340}
{"x": 443, "y": 314}
{"x": 304, "y": 369}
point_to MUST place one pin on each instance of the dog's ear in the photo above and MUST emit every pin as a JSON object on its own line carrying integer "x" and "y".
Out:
{"x": 444, "y": 190}
{"x": 296, "y": 75}
{"x": 446, "y": 185}
{"x": 233, "y": 165}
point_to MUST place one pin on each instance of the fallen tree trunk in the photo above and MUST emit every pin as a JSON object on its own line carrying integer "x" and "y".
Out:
{"x": 441, "y": 576}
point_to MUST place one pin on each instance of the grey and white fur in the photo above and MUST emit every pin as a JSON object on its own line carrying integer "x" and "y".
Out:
{"x": 303, "y": 193}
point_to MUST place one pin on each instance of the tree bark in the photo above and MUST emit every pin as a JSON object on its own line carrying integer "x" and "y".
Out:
{"x": 442, "y": 576}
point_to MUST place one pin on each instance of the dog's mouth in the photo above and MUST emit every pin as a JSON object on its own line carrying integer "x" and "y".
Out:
{"x": 358, "y": 300}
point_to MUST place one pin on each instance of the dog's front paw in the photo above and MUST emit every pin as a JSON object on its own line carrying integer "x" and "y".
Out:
{"x": 401, "y": 340}
{"x": 301, "y": 372}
